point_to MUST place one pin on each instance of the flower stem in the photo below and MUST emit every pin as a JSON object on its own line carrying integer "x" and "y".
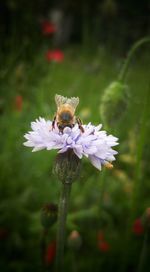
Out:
{"x": 43, "y": 247}
{"x": 143, "y": 255}
{"x": 142, "y": 138}
{"x": 131, "y": 52}
{"x": 62, "y": 216}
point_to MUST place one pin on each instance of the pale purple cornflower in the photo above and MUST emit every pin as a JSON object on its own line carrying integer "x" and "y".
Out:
{"x": 93, "y": 143}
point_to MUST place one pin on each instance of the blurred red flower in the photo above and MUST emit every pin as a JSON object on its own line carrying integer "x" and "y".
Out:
{"x": 138, "y": 228}
{"x": 103, "y": 246}
{"x": 50, "y": 253}
{"x": 47, "y": 28}
{"x": 55, "y": 55}
{"x": 18, "y": 102}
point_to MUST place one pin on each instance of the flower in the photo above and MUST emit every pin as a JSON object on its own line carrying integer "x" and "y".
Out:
{"x": 47, "y": 28}
{"x": 138, "y": 228}
{"x": 103, "y": 246}
{"x": 50, "y": 253}
{"x": 54, "y": 55}
{"x": 74, "y": 240}
{"x": 94, "y": 143}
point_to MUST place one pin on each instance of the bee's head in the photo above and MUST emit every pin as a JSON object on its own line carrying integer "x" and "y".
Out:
{"x": 65, "y": 116}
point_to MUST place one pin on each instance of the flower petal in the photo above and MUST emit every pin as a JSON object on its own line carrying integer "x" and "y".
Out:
{"x": 94, "y": 143}
{"x": 95, "y": 161}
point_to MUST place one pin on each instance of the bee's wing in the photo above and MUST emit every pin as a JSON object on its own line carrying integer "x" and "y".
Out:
{"x": 73, "y": 101}
{"x": 60, "y": 100}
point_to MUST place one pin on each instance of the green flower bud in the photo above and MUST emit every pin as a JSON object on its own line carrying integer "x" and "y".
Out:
{"x": 49, "y": 215}
{"x": 74, "y": 240}
{"x": 114, "y": 103}
{"x": 67, "y": 166}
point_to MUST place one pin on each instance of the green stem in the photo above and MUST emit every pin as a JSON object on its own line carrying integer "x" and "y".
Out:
{"x": 140, "y": 149}
{"x": 43, "y": 247}
{"x": 124, "y": 69}
{"x": 143, "y": 255}
{"x": 62, "y": 216}
{"x": 74, "y": 261}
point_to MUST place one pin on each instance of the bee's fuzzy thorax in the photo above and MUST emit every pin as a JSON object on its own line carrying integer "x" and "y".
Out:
{"x": 65, "y": 107}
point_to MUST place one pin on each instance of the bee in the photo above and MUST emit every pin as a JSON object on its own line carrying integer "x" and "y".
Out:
{"x": 65, "y": 115}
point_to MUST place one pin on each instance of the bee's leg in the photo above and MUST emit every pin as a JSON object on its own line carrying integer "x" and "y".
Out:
{"x": 80, "y": 124}
{"x": 53, "y": 123}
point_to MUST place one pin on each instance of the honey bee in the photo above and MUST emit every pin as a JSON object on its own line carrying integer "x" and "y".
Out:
{"x": 65, "y": 115}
